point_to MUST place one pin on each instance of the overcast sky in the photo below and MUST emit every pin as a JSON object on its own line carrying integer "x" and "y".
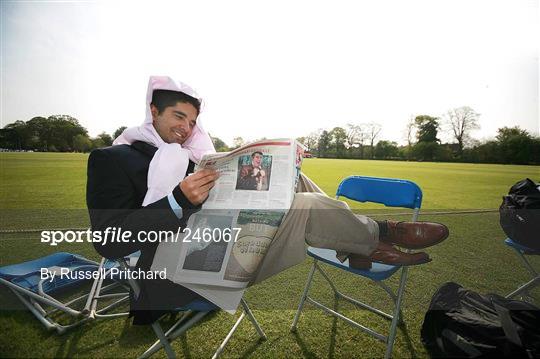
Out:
{"x": 274, "y": 68}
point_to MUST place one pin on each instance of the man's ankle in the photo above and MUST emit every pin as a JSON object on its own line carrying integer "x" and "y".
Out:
{"x": 383, "y": 228}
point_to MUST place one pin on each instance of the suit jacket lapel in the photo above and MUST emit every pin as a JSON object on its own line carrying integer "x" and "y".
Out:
{"x": 145, "y": 148}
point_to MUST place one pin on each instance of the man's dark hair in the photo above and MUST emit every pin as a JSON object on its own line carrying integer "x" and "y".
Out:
{"x": 254, "y": 153}
{"x": 166, "y": 98}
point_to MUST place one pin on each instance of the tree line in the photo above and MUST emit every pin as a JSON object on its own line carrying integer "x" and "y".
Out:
{"x": 511, "y": 145}
{"x": 57, "y": 133}
{"x": 63, "y": 133}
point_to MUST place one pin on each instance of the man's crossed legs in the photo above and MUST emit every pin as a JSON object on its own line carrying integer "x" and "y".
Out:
{"x": 320, "y": 221}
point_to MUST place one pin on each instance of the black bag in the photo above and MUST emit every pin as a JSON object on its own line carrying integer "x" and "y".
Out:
{"x": 520, "y": 214}
{"x": 463, "y": 323}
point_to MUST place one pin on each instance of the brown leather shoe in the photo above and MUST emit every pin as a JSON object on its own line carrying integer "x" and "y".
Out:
{"x": 415, "y": 235}
{"x": 388, "y": 256}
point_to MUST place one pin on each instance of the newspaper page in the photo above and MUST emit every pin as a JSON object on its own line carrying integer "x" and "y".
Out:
{"x": 238, "y": 221}
{"x": 225, "y": 242}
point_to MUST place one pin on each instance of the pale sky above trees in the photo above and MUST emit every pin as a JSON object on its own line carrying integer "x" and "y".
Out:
{"x": 275, "y": 69}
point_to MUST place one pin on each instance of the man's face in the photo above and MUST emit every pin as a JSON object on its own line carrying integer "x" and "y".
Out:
{"x": 256, "y": 161}
{"x": 175, "y": 123}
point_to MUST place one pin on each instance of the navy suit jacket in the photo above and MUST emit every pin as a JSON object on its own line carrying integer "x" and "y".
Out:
{"x": 116, "y": 187}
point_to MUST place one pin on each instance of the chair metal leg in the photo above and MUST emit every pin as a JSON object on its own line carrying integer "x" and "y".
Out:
{"x": 46, "y": 322}
{"x": 528, "y": 265}
{"x": 251, "y": 317}
{"x": 365, "y": 306}
{"x": 525, "y": 287}
{"x": 397, "y": 311}
{"x": 170, "y": 336}
{"x": 247, "y": 312}
{"x": 163, "y": 339}
{"x": 304, "y": 295}
{"x": 347, "y": 320}
{"x": 325, "y": 276}
{"x": 228, "y": 337}
{"x": 92, "y": 292}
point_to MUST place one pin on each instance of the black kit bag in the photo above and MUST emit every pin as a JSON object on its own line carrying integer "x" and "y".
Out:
{"x": 520, "y": 214}
{"x": 464, "y": 324}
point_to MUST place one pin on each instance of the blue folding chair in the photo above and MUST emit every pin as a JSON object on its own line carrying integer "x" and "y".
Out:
{"x": 24, "y": 279}
{"x": 192, "y": 313}
{"x": 98, "y": 291}
{"x": 391, "y": 193}
{"x": 523, "y": 290}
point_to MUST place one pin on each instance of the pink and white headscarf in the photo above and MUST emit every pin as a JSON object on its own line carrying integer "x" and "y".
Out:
{"x": 170, "y": 162}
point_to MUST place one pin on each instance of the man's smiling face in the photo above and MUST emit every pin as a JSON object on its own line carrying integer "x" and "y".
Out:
{"x": 175, "y": 123}
{"x": 256, "y": 161}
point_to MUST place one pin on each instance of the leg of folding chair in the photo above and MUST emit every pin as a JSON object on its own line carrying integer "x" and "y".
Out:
{"x": 528, "y": 265}
{"x": 251, "y": 317}
{"x": 170, "y": 337}
{"x": 525, "y": 287}
{"x": 304, "y": 296}
{"x": 36, "y": 312}
{"x": 397, "y": 311}
{"x": 228, "y": 337}
{"x": 163, "y": 339}
{"x": 337, "y": 293}
{"x": 92, "y": 292}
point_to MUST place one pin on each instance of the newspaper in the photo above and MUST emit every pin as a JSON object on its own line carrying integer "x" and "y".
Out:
{"x": 223, "y": 244}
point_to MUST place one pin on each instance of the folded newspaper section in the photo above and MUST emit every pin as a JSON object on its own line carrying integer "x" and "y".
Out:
{"x": 258, "y": 229}
{"x": 226, "y": 241}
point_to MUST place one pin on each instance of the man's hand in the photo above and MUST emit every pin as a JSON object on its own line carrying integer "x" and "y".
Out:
{"x": 196, "y": 186}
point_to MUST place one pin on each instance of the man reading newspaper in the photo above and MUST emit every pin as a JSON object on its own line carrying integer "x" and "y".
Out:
{"x": 146, "y": 181}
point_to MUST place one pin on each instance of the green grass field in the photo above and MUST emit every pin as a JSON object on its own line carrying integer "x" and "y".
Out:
{"x": 47, "y": 190}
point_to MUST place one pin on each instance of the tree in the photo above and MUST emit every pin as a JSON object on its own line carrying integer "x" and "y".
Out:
{"x": 118, "y": 132}
{"x": 311, "y": 140}
{"x": 427, "y": 128}
{"x": 373, "y": 131}
{"x": 40, "y": 128}
{"x": 62, "y": 130}
{"x": 102, "y": 140}
{"x": 339, "y": 137}
{"x": 516, "y": 145}
{"x": 356, "y": 137}
{"x": 386, "y": 149}
{"x": 238, "y": 142}
{"x": 16, "y": 136}
{"x": 219, "y": 144}
{"x": 410, "y": 134}
{"x": 427, "y": 145}
{"x": 323, "y": 146}
{"x": 81, "y": 143}
{"x": 462, "y": 121}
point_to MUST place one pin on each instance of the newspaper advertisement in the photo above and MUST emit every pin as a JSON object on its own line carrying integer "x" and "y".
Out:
{"x": 225, "y": 242}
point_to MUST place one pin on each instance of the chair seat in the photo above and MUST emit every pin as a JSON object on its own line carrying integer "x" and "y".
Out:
{"x": 199, "y": 305}
{"x": 520, "y": 247}
{"x": 28, "y": 274}
{"x": 377, "y": 272}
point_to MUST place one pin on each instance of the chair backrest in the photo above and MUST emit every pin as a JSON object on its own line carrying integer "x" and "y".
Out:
{"x": 388, "y": 191}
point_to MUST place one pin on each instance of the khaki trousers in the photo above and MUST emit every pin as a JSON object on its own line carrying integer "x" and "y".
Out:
{"x": 319, "y": 221}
